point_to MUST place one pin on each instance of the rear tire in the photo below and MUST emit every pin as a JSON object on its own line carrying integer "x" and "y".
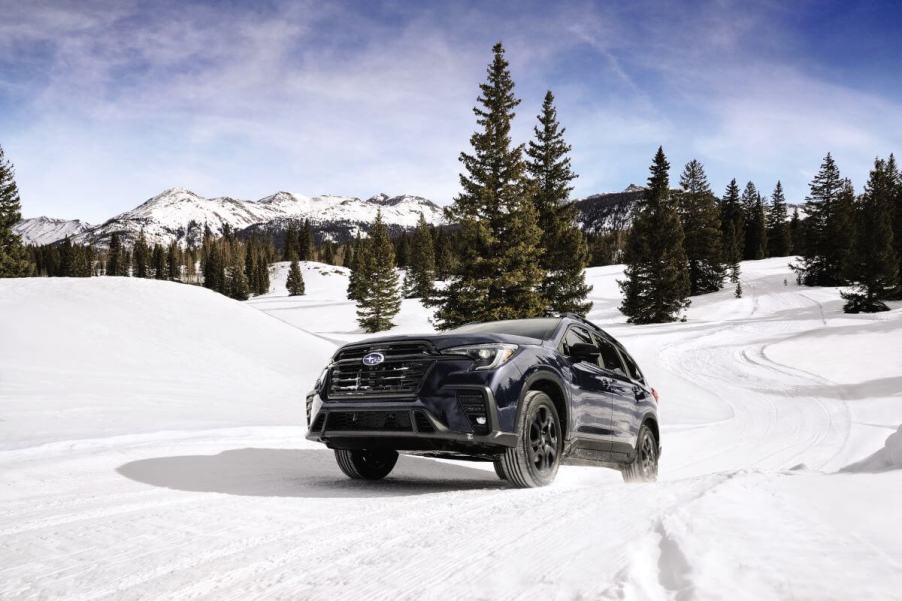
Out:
{"x": 644, "y": 466}
{"x": 365, "y": 464}
{"x": 534, "y": 461}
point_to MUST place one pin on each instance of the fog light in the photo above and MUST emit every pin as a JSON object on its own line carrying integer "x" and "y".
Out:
{"x": 480, "y": 420}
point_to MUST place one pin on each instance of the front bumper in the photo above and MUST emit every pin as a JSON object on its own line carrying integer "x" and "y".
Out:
{"x": 402, "y": 425}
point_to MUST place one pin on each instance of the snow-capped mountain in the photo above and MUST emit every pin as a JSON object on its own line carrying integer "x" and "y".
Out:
{"x": 180, "y": 215}
{"x": 44, "y": 230}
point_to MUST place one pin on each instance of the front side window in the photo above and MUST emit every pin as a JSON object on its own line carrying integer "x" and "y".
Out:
{"x": 573, "y": 336}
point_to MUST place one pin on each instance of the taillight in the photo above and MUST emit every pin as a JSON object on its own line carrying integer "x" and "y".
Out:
{"x": 654, "y": 393}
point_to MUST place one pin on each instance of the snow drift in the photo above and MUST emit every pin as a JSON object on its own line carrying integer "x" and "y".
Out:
{"x": 89, "y": 357}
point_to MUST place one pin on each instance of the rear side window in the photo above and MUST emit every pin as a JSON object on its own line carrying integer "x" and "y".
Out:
{"x": 609, "y": 357}
{"x": 573, "y": 336}
{"x": 635, "y": 373}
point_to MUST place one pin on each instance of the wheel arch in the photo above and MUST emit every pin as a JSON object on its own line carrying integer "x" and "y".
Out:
{"x": 651, "y": 420}
{"x": 549, "y": 383}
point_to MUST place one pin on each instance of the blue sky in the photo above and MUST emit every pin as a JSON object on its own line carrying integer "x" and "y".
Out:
{"x": 105, "y": 103}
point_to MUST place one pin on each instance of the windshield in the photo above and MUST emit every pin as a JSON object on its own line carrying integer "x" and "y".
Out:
{"x": 542, "y": 328}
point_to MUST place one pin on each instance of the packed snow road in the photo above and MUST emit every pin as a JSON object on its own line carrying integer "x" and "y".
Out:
{"x": 152, "y": 448}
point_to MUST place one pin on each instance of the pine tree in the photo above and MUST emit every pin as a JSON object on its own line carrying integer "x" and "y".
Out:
{"x": 875, "y": 266}
{"x": 358, "y": 278}
{"x": 754, "y": 245}
{"x": 382, "y": 300}
{"x": 115, "y": 261}
{"x": 172, "y": 261}
{"x": 779, "y": 243}
{"x": 700, "y": 218}
{"x": 238, "y": 286}
{"x": 295, "y": 281}
{"x": 140, "y": 256}
{"x": 421, "y": 271}
{"x": 732, "y": 224}
{"x": 657, "y": 273}
{"x": 825, "y": 244}
{"x": 499, "y": 275}
{"x": 895, "y": 211}
{"x": 738, "y": 292}
{"x": 158, "y": 261}
{"x": 13, "y": 257}
{"x": 564, "y": 248}
{"x": 67, "y": 259}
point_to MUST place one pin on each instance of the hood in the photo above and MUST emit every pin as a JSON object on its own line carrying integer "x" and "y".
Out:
{"x": 445, "y": 341}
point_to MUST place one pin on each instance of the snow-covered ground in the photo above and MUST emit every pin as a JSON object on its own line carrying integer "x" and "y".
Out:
{"x": 151, "y": 447}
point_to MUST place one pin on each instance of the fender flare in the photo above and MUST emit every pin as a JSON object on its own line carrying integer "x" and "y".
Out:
{"x": 544, "y": 373}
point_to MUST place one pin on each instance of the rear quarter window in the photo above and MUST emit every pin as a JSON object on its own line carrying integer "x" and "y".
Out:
{"x": 635, "y": 372}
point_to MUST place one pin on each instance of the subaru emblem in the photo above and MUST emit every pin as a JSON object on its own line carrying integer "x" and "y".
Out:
{"x": 373, "y": 359}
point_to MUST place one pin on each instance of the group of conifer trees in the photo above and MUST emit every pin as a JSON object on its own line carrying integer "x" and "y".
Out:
{"x": 233, "y": 267}
{"x": 684, "y": 242}
{"x": 520, "y": 252}
{"x": 849, "y": 240}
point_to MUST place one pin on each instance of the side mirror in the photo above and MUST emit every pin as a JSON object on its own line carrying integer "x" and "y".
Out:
{"x": 583, "y": 351}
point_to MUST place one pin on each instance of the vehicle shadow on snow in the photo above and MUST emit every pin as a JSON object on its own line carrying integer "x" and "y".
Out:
{"x": 300, "y": 473}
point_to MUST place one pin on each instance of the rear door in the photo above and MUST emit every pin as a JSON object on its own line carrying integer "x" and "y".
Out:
{"x": 590, "y": 391}
{"x": 622, "y": 394}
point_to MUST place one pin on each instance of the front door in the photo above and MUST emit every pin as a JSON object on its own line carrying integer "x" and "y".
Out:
{"x": 590, "y": 391}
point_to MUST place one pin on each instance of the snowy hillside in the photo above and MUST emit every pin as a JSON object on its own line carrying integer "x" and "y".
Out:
{"x": 44, "y": 230}
{"x": 180, "y": 215}
{"x": 152, "y": 447}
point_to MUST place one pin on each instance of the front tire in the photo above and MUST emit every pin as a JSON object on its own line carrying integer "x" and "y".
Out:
{"x": 534, "y": 461}
{"x": 366, "y": 464}
{"x": 644, "y": 466}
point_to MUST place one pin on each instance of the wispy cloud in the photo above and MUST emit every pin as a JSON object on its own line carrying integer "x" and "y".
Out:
{"x": 103, "y": 104}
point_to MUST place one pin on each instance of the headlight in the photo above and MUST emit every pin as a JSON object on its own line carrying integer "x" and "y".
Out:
{"x": 486, "y": 356}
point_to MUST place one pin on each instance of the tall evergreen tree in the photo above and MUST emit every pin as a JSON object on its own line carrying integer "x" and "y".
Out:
{"x": 732, "y": 224}
{"x": 158, "y": 261}
{"x": 173, "y": 267}
{"x": 116, "y": 264}
{"x": 700, "y": 218}
{"x": 13, "y": 257}
{"x": 67, "y": 258}
{"x": 305, "y": 241}
{"x": 358, "y": 278}
{"x": 895, "y": 211}
{"x": 421, "y": 271}
{"x": 656, "y": 287}
{"x": 140, "y": 256}
{"x": 875, "y": 266}
{"x": 295, "y": 281}
{"x": 754, "y": 244}
{"x": 778, "y": 241}
{"x": 238, "y": 286}
{"x": 499, "y": 275}
{"x": 565, "y": 252}
{"x": 795, "y": 233}
{"x": 825, "y": 244}
{"x": 382, "y": 299}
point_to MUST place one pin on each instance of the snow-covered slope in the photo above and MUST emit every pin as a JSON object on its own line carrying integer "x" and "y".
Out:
{"x": 180, "y": 215}
{"x": 44, "y": 230}
{"x": 150, "y": 450}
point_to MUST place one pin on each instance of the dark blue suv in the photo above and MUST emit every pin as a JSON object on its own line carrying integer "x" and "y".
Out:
{"x": 526, "y": 394}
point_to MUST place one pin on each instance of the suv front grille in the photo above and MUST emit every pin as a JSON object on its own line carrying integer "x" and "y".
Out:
{"x": 398, "y": 376}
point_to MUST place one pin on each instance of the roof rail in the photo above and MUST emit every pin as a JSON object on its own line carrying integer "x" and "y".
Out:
{"x": 579, "y": 318}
